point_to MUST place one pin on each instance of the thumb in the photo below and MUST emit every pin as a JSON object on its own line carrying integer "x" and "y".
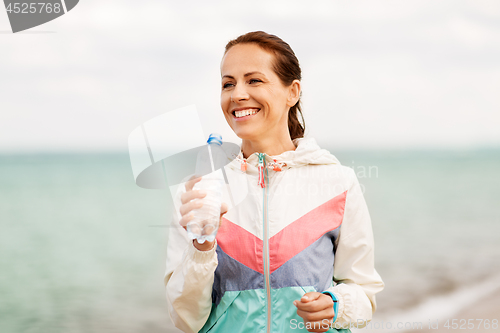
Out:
{"x": 223, "y": 209}
{"x": 309, "y": 297}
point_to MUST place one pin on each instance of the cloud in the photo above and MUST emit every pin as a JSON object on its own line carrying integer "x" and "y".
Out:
{"x": 376, "y": 73}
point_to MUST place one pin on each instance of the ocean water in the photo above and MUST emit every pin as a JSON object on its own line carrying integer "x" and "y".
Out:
{"x": 78, "y": 253}
{"x": 82, "y": 248}
{"x": 436, "y": 221}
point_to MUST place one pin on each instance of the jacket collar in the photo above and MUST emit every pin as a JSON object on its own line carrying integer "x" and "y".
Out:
{"x": 307, "y": 152}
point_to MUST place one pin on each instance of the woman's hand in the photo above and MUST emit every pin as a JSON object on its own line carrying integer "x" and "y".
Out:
{"x": 189, "y": 203}
{"x": 317, "y": 311}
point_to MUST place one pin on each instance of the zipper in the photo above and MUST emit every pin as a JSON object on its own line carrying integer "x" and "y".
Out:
{"x": 265, "y": 243}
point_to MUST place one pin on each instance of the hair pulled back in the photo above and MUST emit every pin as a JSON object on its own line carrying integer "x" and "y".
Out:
{"x": 285, "y": 65}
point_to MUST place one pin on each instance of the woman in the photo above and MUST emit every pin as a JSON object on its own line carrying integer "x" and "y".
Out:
{"x": 297, "y": 253}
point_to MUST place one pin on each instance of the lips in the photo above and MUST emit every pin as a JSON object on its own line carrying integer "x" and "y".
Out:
{"x": 244, "y": 112}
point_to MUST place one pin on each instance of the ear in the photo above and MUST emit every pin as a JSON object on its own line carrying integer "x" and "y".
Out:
{"x": 293, "y": 93}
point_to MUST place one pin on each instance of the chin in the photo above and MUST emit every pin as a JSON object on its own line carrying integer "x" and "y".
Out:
{"x": 245, "y": 134}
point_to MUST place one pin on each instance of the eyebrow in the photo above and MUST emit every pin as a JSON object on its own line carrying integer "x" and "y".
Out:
{"x": 247, "y": 74}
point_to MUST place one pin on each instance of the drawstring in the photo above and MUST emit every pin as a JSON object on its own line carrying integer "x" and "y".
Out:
{"x": 261, "y": 181}
{"x": 275, "y": 165}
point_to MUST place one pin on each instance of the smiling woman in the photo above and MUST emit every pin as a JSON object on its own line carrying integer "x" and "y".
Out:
{"x": 260, "y": 94}
{"x": 297, "y": 253}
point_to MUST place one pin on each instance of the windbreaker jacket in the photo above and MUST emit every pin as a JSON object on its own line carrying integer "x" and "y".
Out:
{"x": 307, "y": 230}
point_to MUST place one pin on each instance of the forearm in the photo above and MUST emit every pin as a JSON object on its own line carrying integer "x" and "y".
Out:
{"x": 189, "y": 288}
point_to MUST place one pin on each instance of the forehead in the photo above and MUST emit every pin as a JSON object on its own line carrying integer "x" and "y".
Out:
{"x": 244, "y": 58}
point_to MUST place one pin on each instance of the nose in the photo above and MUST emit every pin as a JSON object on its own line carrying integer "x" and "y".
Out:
{"x": 239, "y": 93}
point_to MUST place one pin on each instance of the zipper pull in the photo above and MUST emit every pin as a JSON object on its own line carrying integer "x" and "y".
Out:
{"x": 261, "y": 181}
{"x": 276, "y": 167}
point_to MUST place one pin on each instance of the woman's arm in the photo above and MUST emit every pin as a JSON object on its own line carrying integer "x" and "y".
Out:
{"x": 189, "y": 277}
{"x": 354, "y": 271}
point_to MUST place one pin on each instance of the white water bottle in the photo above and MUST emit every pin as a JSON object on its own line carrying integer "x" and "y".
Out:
{"x": 205, "y": 223}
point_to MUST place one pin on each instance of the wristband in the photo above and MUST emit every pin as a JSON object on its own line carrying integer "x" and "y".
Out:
{"x": 335, "y": 304}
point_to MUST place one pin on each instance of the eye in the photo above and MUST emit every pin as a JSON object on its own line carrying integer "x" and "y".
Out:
{"x": 254, "y": 80}
{"x": 226, "y": 85}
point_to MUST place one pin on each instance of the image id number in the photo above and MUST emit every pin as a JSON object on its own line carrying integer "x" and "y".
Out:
{"x": 470, "y": 324}
{"x": 39, "y": 7}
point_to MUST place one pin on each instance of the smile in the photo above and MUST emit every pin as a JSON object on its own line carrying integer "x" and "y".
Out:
{"x": 245, "y": 114}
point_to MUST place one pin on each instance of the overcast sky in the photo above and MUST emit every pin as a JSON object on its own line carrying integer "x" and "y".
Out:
{"x": 376, "y": 74}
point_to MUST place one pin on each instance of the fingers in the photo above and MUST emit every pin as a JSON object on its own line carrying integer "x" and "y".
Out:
{"x": 223, "y": 209}
{"x": 313, "y": 301}
{"x": 310, "y": 296}
{"x": 191, "y": 194}
{"x": 190, "y": 183}
{"x": 188, "y": 201}
{"x": 189, "y": 206}
{"x": 185, "y": 220}
{"x": 317, "y": 311}
{"x": 317, "y": 316}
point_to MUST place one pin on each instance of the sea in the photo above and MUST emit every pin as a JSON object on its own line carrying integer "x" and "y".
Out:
{"x": 83, "y": 248}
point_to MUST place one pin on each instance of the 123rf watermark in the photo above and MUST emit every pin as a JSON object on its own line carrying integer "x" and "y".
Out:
{"x": 26, "y": 14}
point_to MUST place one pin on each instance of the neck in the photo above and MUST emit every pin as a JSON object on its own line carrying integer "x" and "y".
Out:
{"x": 269, "y": 146}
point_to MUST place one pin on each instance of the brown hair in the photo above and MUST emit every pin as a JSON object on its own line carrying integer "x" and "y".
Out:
{"x": 286, "y": 66}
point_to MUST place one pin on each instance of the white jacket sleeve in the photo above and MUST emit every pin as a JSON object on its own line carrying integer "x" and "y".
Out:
{"x": 355, "y": 276}
{"x": 189, "y": 278}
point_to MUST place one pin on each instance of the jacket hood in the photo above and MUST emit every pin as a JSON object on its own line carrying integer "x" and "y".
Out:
{"x": 307, "y": 152}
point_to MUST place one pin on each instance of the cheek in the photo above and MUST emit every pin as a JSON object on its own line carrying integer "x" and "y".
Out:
{"x": 224, "y": 101}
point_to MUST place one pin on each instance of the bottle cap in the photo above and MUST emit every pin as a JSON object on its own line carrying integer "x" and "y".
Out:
{"x": 215, "y": 138}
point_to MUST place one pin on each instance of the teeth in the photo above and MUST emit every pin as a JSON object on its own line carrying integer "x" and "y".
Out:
{"x": 247, "y": 112}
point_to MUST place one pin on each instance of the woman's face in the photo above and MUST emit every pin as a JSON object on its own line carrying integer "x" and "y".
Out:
{"x": 254, "y": 100}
